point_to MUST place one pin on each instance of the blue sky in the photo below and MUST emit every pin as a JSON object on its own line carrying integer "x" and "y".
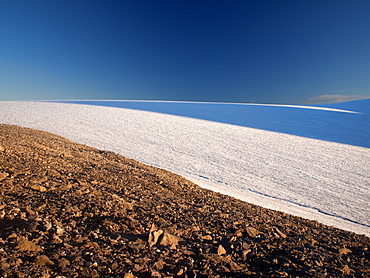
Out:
{"x": 287, "y": 52}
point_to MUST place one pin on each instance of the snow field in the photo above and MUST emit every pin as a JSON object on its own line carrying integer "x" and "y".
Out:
{"x": 315, "y": 179}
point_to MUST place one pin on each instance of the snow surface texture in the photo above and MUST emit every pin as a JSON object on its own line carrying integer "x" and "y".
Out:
{"x": 316, "y": 179}
{"x": 314, "y": 122}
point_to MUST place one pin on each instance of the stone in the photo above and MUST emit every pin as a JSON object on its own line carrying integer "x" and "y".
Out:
{"x": 155, "y": 274}
{"x": 65, "y": 187}
{"x": 25, "y": 245}
{"x": 180, "y": 272}
{"x": 245, "y": 246}
{"x": 43, "y": 260}
{"x": 252, "y": 232}
{"x": 82, "y": 182}
{"x": 346, "y": 270}
{"x": 24, "y": 171}
{"x": 245, "y": 253}
{"x": 153, "y": 237}
{"x": 221, "y": 250}
{"x": 234, "y": 266}
{"x": 238, "y": 233}
{"x": 281, "y": 274}
{"x": 159, "y": 264}
{"x": 167, "y": 239}
{"x": 2, "y": 147}
{"x": 138, "y": 267}
{"x": 4, "y": 265}
{"x": 39, "y": 179}
{"x": 207, "y": 237}
{"x": 30, "y": 211}
{"x": 114, "y": 266}
{"x": 344, "y": 251}
{"x": 63, "y": 263}
{"x": 122, "y": 202}
{"x": 3, "y": 176}
{"x": 279, "y": 233}
{"x": 38, "y": 187}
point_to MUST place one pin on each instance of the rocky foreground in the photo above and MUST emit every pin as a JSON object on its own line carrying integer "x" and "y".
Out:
{"x": 68, "y": 210}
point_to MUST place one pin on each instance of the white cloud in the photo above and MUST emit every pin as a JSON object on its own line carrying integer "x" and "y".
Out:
{"x": 323, "y": 99}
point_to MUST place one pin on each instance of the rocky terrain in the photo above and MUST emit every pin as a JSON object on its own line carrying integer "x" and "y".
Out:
{"x": 68, "y": 210}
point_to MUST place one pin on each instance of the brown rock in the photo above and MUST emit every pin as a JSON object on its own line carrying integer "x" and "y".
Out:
{"x": 65, "y": 187}
{"x": 22, "y": 172}
{"x": 207, "y": 237}
{"x": 281, "y": 274}
{"x": 39, "y": 179}
{"x": 159, "y": 264}
{"x": 43, "y": 260}
{"x": 224, "y": 269}
{"x": 221, "y": 250}
{"x": 29, "y": 210}
{"x": 245, "y": 253}
{"x": 4, "y": 265}
{"x": 3, "y": 176}
{"x": 344, "y": 251}
{"x": 156, "y": 274}
{"x": 214, "y": 258}
{"x": 2, "y": 147}
{"x": 25, "y": 245}
{"x": 82, "y": 182}
{"x": 114, "y": 266}
{"x": 168, "y": 240}
{"x": 138, "y": 267}
{"x": 238, "y": 233}
{"x": 63, "y": 263}
{"x": 346, "y": 270}
{"x": 252, "y": 232}
{"x": 129, "y": 275}
{"x": 18, "y": 262}
{"x": 279, "y": 233}
{"x": 38, "y": 187}
{"x": 234, "y": 266}
{"x": 153, "y": 237}
{"x": 245, "y": 246}
{"x": 122, "y": 202}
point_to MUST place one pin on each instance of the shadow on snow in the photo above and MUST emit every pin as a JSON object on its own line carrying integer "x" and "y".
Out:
{"x": 340, "y": 127}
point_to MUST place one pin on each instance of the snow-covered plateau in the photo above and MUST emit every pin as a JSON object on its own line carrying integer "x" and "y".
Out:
{"x": 309, "y": 161}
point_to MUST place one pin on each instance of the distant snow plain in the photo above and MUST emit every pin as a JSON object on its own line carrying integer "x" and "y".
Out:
{"x": 308, "y": 161}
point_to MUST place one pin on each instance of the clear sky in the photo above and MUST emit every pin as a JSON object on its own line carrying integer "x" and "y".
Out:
{"x": 290, "y": 52}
